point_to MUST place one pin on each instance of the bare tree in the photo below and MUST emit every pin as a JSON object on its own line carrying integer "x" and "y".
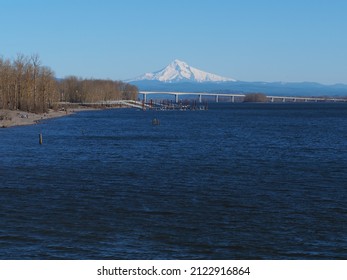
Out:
{"x": 35, "y": 60}
{"x": 20, "y": 64}
{"x": 28, "y": 86}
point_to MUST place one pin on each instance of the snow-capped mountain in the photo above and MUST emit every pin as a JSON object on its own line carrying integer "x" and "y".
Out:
{"x": 179, "y": 71}
{"x": 179, "y": 76}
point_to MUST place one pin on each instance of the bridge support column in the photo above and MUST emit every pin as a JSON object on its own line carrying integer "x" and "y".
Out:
{"x": 283, "y": 100}
{"x": 233, "y": 99}
{"x": 176, "y": 98}
{"x": 144, "y": 97}
{"x": 200, "y": 98}
{"x": 272, "y": 99}
{"x": 217, "y": 98}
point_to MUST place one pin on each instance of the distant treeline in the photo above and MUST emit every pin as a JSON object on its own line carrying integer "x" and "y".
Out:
{"x": 73, "y": 89}
{"x": 255, "y": 97}
{"x": 27, "y": 85}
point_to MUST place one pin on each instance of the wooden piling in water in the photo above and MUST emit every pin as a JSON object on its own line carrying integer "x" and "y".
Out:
{"x": 155, "y": 121}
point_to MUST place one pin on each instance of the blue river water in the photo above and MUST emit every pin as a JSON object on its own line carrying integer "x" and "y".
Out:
{"x": 238, "y": 181}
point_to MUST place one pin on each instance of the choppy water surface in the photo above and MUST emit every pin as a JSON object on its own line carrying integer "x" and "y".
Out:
{"x": 239, "y": 181}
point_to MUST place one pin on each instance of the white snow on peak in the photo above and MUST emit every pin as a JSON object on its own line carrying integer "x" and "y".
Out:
{"x": 180, "y": 71}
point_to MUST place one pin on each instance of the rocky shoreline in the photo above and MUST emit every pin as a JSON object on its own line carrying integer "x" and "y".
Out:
{"x": 10, "y": 118}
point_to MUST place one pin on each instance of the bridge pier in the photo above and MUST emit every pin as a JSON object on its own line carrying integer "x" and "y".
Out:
{"x": 233, "y": 99}
{"x": 217, "y": 98}
{"x": 176, "y": 98}
{"x": 200, "y": 98}
{"x": 144, "y": 97}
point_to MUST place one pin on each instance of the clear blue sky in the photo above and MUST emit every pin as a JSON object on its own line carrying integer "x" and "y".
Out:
{"x": 250, "y": 40}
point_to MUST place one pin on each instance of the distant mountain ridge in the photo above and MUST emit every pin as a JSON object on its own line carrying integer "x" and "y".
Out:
{"x": 180, "y": 71}
{"x": 275, "y": 88}
{"x": 179, "y": 76}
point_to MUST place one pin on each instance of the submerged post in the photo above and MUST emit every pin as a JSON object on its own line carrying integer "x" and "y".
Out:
{"x": 40, "y": 138}
{"x": 155, "y": 121}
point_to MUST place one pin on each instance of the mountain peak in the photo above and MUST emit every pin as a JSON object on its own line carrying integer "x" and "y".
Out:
{"x": 179, "y": 63}
{"x": 180, "y": 71}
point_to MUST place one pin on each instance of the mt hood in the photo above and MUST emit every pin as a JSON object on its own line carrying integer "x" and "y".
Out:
{"x": 179, "y": 71}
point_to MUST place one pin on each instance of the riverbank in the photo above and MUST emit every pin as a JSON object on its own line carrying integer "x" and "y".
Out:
{"x": 10, "y": 118}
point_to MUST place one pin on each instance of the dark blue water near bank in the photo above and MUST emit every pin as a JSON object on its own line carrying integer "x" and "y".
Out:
{"x": 242, "y": 181}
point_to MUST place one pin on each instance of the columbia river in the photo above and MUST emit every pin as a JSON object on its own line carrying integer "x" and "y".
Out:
{"x": 238, "y": 181}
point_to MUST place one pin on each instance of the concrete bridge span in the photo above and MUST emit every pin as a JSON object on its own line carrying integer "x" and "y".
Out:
{"x": 232, "y": 96}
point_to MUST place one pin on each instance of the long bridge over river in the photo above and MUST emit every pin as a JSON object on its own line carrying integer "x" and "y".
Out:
{"x": 163, "y": 105}
{"x": 232, "y": 97}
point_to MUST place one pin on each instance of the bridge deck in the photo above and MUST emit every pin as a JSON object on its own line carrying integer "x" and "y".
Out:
{"x": 270, "y": 98}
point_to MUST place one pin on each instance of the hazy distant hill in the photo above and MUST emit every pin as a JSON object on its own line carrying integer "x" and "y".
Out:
{"x": 285, "y": 89}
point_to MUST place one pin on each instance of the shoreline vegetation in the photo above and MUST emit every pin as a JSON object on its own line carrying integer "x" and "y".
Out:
{"x": 30, "y": 92}
{"x": 255, "y": 97}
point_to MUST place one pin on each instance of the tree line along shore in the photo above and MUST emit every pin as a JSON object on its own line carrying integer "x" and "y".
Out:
{"x": 28, "y": 86}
